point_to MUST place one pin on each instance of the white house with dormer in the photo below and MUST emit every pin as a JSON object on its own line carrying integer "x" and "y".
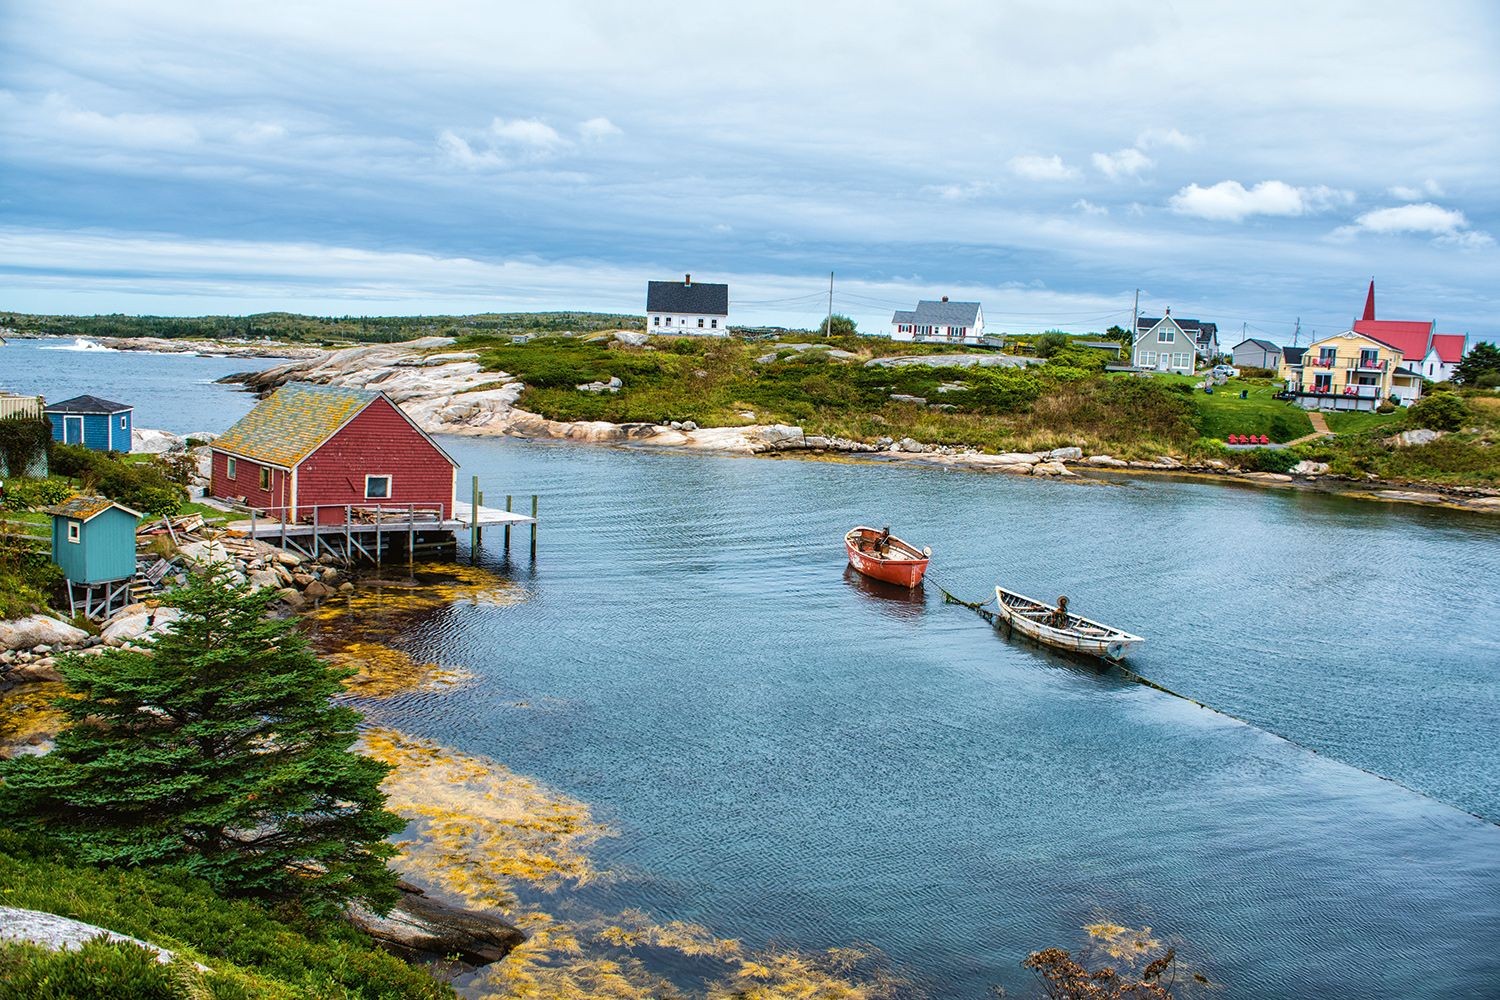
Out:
{"x": 679, "y": 308}
{"x": 1165, "y": 346}
{"x": 943, "y": 321}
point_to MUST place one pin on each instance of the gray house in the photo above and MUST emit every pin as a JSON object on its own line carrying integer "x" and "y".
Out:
{"x": 1165, "y": 346}
{"x": 1254, "y": 353}
{"x": 1205, "y": 336}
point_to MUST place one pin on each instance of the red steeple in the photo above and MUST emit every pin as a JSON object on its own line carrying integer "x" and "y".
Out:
{"x": 1370, "y": 302}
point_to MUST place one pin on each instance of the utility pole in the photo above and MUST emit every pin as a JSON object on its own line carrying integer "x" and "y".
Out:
{"x": 1297, "y": 332}
{"x": 1135, "y": 315}
{"x": 828, "y": 330}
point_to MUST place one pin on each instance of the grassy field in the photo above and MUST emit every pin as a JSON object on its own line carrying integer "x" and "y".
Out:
{"x": 1224, "y": 413}
{"x": 732, "y": 383}
{"x": 249, "y": 952}
{"x": 1069, "y": 401}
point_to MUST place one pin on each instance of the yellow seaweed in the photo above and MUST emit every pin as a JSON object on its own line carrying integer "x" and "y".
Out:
{"x": 28, "y": 713}
{"x": 384, "y": 671}
{"x": 479, "y": 828}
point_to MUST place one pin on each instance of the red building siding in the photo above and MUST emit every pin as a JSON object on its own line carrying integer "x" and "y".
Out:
{"x": 380, "y": 441}
{"x": 246, "y": 483}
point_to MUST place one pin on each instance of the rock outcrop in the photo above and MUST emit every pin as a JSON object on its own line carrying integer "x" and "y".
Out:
{"x": 39, "y": 630}
{"x": 57, "y": 933}
{"x": 421, "y": 927}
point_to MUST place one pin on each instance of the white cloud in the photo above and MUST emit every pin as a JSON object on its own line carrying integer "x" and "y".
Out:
{"x": 1168, "y": 137}
{"x": 526, "y": 132}
{"x": 1089, "y": 208}
{"x": 125, "y": 129}
{"x": 1429, "y": 189}
{"x": 1231, "y": 201}
{"x": 1446, "y": 226}
{"x": 1042, "y": 168}
{"x": 960, "y": 192}
{"x": 456, "y": 150}
{"x": 598, "y": 129}
{"x": 1122, "y": 163}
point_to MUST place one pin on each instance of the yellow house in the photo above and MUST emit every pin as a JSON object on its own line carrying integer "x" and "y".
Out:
{"x": 1349, "y": 371}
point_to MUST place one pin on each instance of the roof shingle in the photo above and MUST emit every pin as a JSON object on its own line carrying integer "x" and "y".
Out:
{"x": 290, "y": 424}
{"x": 697, "y": 299}
{"x": 944, "y": 313}
{"x": 87, "y": 404}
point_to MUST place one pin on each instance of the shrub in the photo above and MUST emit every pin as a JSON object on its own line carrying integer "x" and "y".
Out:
{"x": 1442, "y": 411}
{"x": 1266, "y": 460}
{"x": 1050, "y": 343}
{"x": 1386, "y": 406}
{"x": 102, "y": 970}
{"x": 35, "y": 494}
{"x": 23, "y": 440}
{"x": 143, "y": 486}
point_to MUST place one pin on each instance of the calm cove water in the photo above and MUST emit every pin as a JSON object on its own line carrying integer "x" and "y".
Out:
{"x": 789, "y": 756}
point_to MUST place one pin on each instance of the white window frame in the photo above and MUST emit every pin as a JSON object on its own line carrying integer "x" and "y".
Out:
{"x": 122, "y": 421}
{"x": 390, "y": 485}
{"x": 1148, "y": 358}
{"x": 700, "y": 322}
{"x": 75, "y": 532}
{"x": 265, "y": 478}
{"x": 231, "y": 467}
{"x": 713, "y": 324}
{"x": 1164, "y": 335}
{"x": 656, "y": 321}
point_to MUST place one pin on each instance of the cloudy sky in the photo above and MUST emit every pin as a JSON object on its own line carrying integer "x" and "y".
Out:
{"x": 1247, "y": 163}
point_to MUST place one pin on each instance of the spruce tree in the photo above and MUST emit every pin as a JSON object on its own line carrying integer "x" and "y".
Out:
{"x": 221, "y": 751}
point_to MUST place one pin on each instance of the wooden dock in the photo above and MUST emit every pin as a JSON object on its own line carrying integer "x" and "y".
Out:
{"x": 374, "y": 534}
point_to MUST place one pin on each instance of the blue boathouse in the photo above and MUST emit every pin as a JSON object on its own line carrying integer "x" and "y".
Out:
{"x": 93, "y": 542}
{"x": 92, "y": 422}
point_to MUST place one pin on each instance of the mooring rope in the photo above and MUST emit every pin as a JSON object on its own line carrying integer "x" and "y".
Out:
{"x": 1130, "y": 675}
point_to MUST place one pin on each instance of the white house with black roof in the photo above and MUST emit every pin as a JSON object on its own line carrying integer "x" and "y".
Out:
{"x": 685, "y": 307}
{"x": 949, "y": 322}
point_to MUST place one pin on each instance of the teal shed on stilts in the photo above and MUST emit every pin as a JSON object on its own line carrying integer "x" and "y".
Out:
{"x": 93, "y": 542}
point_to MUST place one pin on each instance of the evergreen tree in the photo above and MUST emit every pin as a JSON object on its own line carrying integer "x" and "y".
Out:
{"x": 1483, "y": 359}
{"x": 221, "y": 751}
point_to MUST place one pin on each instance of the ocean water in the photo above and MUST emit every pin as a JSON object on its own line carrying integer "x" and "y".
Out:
{"x": 170, "y": 392}
{"x": 793, "y": 757}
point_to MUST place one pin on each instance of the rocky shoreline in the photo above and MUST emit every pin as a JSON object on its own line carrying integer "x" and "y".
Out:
{"x": 448, "y": 392}
{"x": 202, "y": 348}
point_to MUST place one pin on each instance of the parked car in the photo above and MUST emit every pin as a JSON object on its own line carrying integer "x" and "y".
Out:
{"x": 1228, "y": 371}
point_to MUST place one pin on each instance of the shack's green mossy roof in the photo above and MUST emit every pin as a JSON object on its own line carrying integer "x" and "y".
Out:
{"x": 84, "y": 508}
{"x": 292, "y": 422}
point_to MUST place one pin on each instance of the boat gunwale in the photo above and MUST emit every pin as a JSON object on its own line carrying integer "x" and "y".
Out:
{"x": 917, "y": 557}
{"x": 1113, "y": 634}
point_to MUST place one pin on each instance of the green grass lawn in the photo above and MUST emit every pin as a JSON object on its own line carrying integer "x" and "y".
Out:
{"x": 1225, "y": 413}
{"x": 1353, "y": 421}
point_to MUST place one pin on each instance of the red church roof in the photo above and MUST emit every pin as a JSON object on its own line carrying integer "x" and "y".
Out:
{"x": 1409, "y": 337}
{"x": 1450, "y": 346}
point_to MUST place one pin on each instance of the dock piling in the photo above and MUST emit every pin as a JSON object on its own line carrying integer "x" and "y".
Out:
{"x": 507, "y": 527}
{"x": 474, "y": 520}
{"x": 533, "y": 527}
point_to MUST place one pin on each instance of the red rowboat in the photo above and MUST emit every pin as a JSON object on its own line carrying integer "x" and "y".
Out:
{"x": 883, "y": 556}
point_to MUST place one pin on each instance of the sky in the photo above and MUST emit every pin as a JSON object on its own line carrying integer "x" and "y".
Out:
{"x": 1250, "y": 164}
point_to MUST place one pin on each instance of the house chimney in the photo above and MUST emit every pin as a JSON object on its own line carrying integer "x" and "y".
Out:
{"x": 687, "y": 279}
{"x": 945, "y": 298}
{"x": 1169, "y": 310}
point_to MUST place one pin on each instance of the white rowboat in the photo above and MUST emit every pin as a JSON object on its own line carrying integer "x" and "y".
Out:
{"x": 1032, "y": 618}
